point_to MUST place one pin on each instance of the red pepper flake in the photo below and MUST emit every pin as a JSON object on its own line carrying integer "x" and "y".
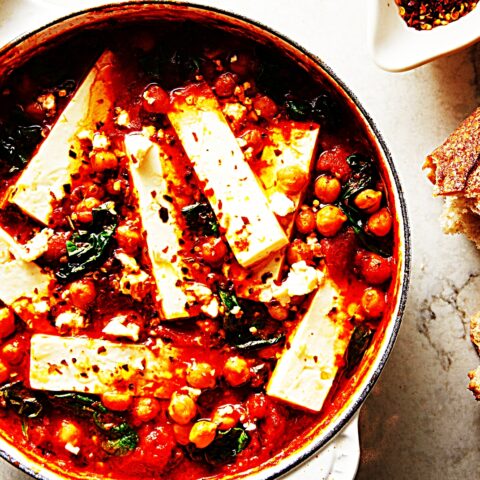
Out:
{"x": 428, "y": 14}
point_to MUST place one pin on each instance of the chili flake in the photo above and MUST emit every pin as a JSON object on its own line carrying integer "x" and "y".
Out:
{"x": 425, "y": 15}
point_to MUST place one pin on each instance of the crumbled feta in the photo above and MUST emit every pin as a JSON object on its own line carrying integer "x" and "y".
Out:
{"x": 32, "y": 250}
{"x": 70, "y": 319}
{"x": 119, "y": 327}
{"x": 85, "y": 134}
{"x": 149, "y": 131}
{"x": 301, "y": 280}
{"x": 72, "y": 449}
{"x": 132, "y": 284}
{"x": 281, "y": 204}
{"x": 235, "y": 310}
{"x": 235, "y": 113}
{"x": 123, "y": 118}
{"x": 199, "y": 293}
{"x": 128, "y": 262}
{"x": 100, "y": 141}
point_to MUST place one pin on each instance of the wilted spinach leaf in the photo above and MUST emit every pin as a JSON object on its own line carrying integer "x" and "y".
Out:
{"x": 200, "y": 217}
{"x": 226, "y": 446}
{"x": 88, "y": 247}
{"x": 378, "y": 245}
{"x": 359, "y": 342}
{"x": 17, "y": 144}
{"x": 363, "y": 175}
{"x": 238, "y": 327}
{"x": 25, "y": 402}
{"x": 121, "y": 437}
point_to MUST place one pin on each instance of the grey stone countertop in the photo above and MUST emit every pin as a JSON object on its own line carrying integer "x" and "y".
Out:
{"x": 420, "y": 421}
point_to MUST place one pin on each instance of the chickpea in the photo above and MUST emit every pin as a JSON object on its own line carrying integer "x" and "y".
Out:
{"x": 368, "y": 200}
{"x": 155, "y": 99}
{"x": 145, "y": 409}
{"x": 327, "y": 188}
{"x": 82, "y": 293}
{"x": 128, "y": 238}
{"x": 265, "y": 107}
{"x": 201, "y": 375}
{"x": 299, "y": 250}
{"x": 69, "y": 432}
{"x": 225, "y": 84}
{"x": 118, "y": 402}
{"x": 226, "y": 417}
{"x": 83, "y": 210}
{"x": 203, "y": 433}
{"x": 305, "y": 221}
{"x": 7, "y": 322}
{"x": 330, "y": 220}
{"x": 4, "y": 372}
{"x": 182, "y": 433}
{"x": 380, "y": 223}
{"x": 277, "y": 311}
{"x": 292, "y": 179}
{"x": 213, "y": 250}
{"x": 103, "y": 160}
{"x": 182, "y": 408}
{"x": 236, "y": 371}
{"x": 373, "y": 302}
{"x": 12, "y": 352}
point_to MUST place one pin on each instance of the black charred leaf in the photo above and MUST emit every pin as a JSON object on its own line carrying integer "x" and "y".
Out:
{"x": 88, "y": 248}
{"x": 200, "y": 218}
{"x": 24, "y": 401}
{"x": 359, "y": 342}
{"x": 226, "y": 446}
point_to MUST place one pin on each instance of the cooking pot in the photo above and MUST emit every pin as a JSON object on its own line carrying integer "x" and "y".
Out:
{"x": 339, "y": 426}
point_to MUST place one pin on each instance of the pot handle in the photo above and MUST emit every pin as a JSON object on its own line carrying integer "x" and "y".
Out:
{"x": 338, "y": 460}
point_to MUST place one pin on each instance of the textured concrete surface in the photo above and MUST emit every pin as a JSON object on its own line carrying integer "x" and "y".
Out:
{"x": 420, "y": 422}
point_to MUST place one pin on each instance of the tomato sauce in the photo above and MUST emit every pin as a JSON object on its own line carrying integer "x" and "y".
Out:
{"x": 228, "y": 392}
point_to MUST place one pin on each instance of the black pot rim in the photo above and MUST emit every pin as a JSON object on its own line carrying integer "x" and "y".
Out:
{"x": 291, "y": 462}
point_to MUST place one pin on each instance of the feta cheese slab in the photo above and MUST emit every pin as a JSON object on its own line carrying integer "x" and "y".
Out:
{"x": 60, "y": 155}
{"x": 78, "y": 364}
{"x": 159, "y": 223}
{"x": 290, "y": 144}
{"x": 305, "y": 373}
{"x": 242, "y": 210}
{"x": 20, "y": 279}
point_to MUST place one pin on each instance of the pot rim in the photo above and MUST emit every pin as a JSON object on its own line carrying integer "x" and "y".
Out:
{"x": 295, "y": 459}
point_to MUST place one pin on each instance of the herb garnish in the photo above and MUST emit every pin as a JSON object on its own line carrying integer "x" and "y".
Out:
{"x": 88, "y": 247}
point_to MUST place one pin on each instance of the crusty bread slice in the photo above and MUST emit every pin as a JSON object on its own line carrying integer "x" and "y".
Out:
{"x": 454, "y": 169}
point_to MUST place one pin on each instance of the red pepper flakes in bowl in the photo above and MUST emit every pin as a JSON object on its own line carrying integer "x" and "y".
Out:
{"x": 425, "y": 15}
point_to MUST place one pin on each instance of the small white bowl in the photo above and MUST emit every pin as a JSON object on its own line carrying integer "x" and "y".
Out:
{"x": 396, "y": 47}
